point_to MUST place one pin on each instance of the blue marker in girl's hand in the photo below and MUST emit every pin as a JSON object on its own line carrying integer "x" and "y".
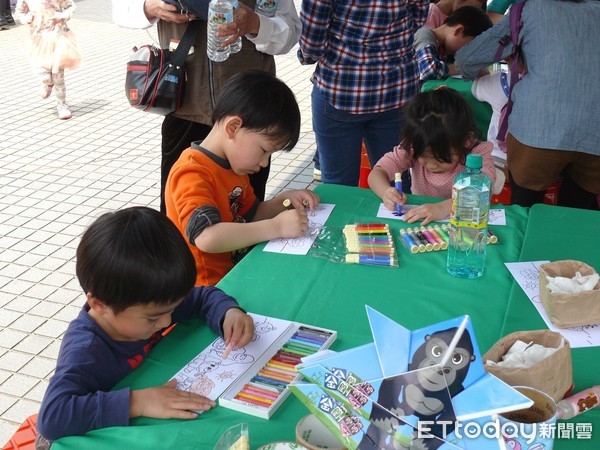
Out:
{"x": 398, "y": 182}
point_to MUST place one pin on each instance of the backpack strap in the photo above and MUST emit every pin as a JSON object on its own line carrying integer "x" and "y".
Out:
{"x": 516, "y": 72}
{"x": 186, "y": 42}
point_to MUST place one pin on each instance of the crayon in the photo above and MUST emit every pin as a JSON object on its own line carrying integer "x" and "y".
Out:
{"x": 259, "y": 391}
{"x": 272, "y": 375}
{"x": 298, "y": 350}
{"x": 227, "y": 351}
{"x": 252, "y": 401}
{"x": 247, "y": 394}
{"x": 323, "y": 333}
{"x": 295, "y": 360}
{"x": 410, "y": 244}
{"x": 287, "y": 371}
{"x": 264, "y": 387}
{"x": 309, "y": 337}
{"x": 284, "y": 363}
{"x": 374, "y": 260}
{"x": 305, "y": 343}
{"x": 398, "y": 184}
{"x": 269, "y": 381}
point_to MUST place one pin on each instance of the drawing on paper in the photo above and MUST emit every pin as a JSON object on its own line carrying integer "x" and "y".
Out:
{"x": 208, "y": 374}
{"x": 301, "y": 245}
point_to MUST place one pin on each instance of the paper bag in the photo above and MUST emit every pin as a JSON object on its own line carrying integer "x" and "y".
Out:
{"x": 553, "y": 375}
{"x": 569, "y": 310}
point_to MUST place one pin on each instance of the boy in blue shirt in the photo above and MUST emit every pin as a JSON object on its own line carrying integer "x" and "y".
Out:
{"x": 434, "y": 46}
{"x": 138, "y": 276}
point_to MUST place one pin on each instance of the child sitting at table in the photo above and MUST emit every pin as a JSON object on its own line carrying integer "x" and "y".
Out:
{"x": 438, "y": 134}
{"x": 434, "y": 47}
{"x": 438, "y": 12}
{"x": 208, "y": 194}
{"x": 138, "y": 277}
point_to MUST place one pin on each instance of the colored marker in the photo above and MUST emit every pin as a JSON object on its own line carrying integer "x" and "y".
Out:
{"x": 410, "y": 244}
{"x": 428, "y": 245}
{"x": 442, "y": 233}
{"x": 492, "y": 238}
{"x": 287, "y": 203}
{"x": 430, "y": 238}
{"x": 416, "y": 239}
{"x": 373, "y": 260}
{"x": 398, "y": 183}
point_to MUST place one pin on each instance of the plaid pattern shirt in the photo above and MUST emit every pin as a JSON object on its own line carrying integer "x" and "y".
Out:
{"x": 363, "y": 50}
{"x": 431, "y": 64}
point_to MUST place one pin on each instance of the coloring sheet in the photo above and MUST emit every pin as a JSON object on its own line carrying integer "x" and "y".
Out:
{"x": 208, "y": 374}
{"x": 527, "y": 275}
{"x": 301, "y": 245}
{"x": 496, "y": 216}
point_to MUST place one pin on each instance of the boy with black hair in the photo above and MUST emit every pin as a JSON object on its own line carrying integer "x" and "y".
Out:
{"x": 435, "y": 47}
{"x": 138, "y": 276}
{"x": 208, "y": 193}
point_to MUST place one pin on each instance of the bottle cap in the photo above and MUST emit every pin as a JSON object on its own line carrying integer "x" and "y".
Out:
{"x": 473, "y": 161}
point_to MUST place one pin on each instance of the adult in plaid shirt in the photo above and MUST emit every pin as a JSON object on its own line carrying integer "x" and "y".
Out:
{"x": 365, "y": 73}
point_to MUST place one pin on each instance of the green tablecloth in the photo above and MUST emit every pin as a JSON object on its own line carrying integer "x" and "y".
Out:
{"x": 482, "y": 111}
{"x": 331, "y": 295}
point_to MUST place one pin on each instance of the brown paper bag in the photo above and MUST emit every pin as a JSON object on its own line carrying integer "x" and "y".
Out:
{"x": 569, "y": 310}
{"x": 553, "y": 375}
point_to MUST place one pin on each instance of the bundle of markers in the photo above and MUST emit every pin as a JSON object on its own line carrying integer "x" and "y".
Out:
{"x": 431, "y": 238}
{"x": 370, "y": 243}
{"x": 267, "y": 385}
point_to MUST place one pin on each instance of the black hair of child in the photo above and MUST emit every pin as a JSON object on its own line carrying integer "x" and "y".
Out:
{"x": 135, "y": 256}
{"x": 474, "y": 20}
{"x": 439, "y": 121}
{"x": 265, "y": 104}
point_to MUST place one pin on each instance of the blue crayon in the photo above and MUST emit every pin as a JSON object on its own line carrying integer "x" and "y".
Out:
{"x": 310, "y": 336}
{"x": 306, "y": 341}
{"x": 269, "y": 381}
{"x": 398, "y": 183}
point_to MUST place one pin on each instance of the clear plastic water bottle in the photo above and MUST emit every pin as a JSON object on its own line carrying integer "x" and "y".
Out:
{"x": 220, "y": 12}
{"x": 237, "y": 45}
{"x": 468, "y": 220}
{"x": 266, "y": 8}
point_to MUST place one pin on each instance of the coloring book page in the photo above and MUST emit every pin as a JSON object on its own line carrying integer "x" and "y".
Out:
{"x": 527, "y": 275}
{"x": 208, "y": 374}
{"x": 496, "y": 216}
{"x": 301, "y": 245}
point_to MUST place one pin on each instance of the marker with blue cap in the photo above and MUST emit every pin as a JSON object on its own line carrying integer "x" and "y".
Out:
{"x": 398, "y": 183}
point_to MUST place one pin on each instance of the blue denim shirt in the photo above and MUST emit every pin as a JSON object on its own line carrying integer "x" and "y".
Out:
{"x": 556, "y": 103}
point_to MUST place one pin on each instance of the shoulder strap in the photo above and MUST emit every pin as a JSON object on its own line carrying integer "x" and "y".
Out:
{"x": 516, "y": 73}
{"x": 186, "y": 43}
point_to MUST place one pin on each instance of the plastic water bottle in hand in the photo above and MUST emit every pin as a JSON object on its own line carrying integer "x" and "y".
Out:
{"x": 267, "y": 8}
{"x": 237, "y": 45}
{"x": 468, "y": 220}
{"x": 220, "y": 12}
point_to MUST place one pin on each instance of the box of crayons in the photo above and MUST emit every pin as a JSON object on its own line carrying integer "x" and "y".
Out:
{"x": 264, "y": 386}
{"x": 370, "y": 243}
{"x": 432, "y": 238}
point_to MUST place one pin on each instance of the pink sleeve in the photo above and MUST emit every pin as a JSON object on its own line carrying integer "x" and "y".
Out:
{"x": 398, "y": 160}
{"x": 484, "y": 149}
{"x": 435, "y": 17}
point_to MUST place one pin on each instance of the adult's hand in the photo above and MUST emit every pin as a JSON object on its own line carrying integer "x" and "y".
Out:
{"x": 245, "y": 21}
{"x": 157, "y": 9}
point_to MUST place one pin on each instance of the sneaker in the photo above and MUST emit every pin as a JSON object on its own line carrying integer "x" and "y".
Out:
{"x": 64, "y": 112}
{"x": 3, "y": 23}
{"x": 9, "y": 18}
{"x": 46, "y": 90}
{"x": 316, "y": 175}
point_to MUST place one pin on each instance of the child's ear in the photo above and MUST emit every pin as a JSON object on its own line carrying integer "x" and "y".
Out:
{"x": 96, "y": 305}
{"x": 470, "y": 140}
{"x": 458, "y": 30}
{"x": 232, "y": 124}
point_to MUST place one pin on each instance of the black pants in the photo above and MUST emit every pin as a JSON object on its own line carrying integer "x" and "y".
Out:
{"x": 177, "y": 135}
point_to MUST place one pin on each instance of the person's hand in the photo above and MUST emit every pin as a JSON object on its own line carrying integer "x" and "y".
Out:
{"x": 238, "y": 328}
{"x": 429, "y": 212}
{"x": 167, "y": 402}
{"x": 291, "y": 223}
{"x": 302, "y": 198}
{"x": 245, "y": 21}
{"x": 391, "y": 198}
{"x": 157, "y": 9}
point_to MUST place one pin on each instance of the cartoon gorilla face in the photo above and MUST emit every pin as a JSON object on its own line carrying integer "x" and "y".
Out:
{"x": 438, "y": 378}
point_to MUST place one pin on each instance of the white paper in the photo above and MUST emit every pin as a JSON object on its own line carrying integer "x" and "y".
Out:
{"x": 301, "y": 245}
{"x": 208, "y": 374}
{"x": 527, "y": 275}
{"x": 496, "y": 216}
